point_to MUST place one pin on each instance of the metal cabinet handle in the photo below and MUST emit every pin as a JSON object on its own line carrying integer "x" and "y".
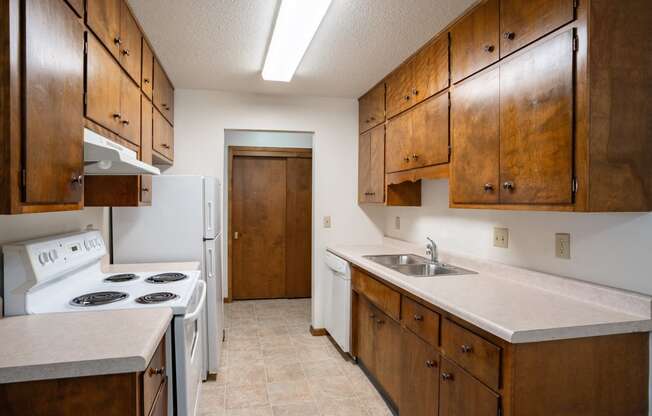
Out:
{"x": 466, "y": 349}
{"x": 488, "y": 187}
{"x": 446, "y": 376}
{"x": 415, "y": 156}
{"x": 236, "y": 235}
{"x": 125, "y": 122}
{"x": 156, "y": 371}
{"x": 509, "y": 35}
{"x": 415, "y": 91}
{"x": 407, "y": 98}
{"x": 367, "y": 121}
{"x": 77, "y": 179}
{"x": 125, "y": 52}
{"x": 489, "y": 48}
{"x": 117, "y": 116}
{"x": 406, "y": 158}
{"x": 380, "y": 321}
{"x": 145, "y": 80}
{"x": 418, "y": 317}
{"x": 373, "y": 118}
{"x": 165, "y": 146}
{"x": 372, "y": 316}
{"x": 431, "y": 364}
{"x": 117, "y": 40}
{"x": 508, "y": 185}
{"x": 145, "y": 189}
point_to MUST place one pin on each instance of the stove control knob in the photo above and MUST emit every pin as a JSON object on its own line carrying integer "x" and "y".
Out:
{"x": 87, "y": 244}
{"x": 43, "y": 257}
{"x": 53, "y": 255}
{"x": 98, "y": 243}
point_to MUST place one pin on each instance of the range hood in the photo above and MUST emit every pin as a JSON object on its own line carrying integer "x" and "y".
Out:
{"x": 104, "y": 157}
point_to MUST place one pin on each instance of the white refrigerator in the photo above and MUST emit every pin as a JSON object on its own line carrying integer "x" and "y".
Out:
{"x": 182, "y": 224}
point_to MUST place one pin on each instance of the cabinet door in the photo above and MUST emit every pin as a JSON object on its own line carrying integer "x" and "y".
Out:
{"x": 163, "y": 93}
{"x": 103, "y": 86}
{"x": 146, "y": 148}
{"x": 147, "y": 70}
{"x": 430, "y": 68}
{"x": 103, "y": 18}
{"x": 364, "y": 334}
{"x": 398, "y": 145}
{"x": 130, "y": 48}
{"x": 475, "y": 140}
{"x": 475, "y": 41}
{"x": 536, "y": 124}
{"x": 420, "y": 377}
{"x": 77, "y": 6}
{"x": 399, "y": 90}
{"x": 163, "y": 136}
{"x": 522, "y": 22}
{"x": 364, "y": 167}
{"x": 377, "y": 165}
{"x": 462, "y": 395}
{"x": 372, "y": 108}
{"x": 130, "y": 109}
{"x": 430, "y": 132}
{"x": 53, "y": 115}
{"x": 387, "y": 354}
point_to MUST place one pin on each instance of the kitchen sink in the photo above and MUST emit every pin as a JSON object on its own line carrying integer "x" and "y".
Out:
{"x": 417, "y": 266}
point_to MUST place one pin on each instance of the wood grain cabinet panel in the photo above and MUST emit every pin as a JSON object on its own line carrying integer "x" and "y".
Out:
{"x": 475, "y": 41}
{"x": 398, "y": 143}
{"x": 363, "y": 336}
{"x": 430, "y": 132}
{"x": 53, "y": 106}
{"x": 399, "y": 85}
{"x": 462, "y": 395}
{"x": 131, "y": 44}
{"x": 163, "y": 93}
{"x": 522, "y": 22}
{"x": 475, "y": 140}
{"x": 387, "y": 354}
{"x": 103, "y": 18}
{"x": 130, "y": 110}
{"x": 419, "y": 377}
{"x": 77, "y": 6}
{"x": 147, "y": 70}
{"x": 430, "y": 66}
{"x": 536, "y": 124}
{"x": 381, "y": 295}
{"x": 371, "y": 166}
{"x": 146, "y": 138}
{"x": 163, "y": 136}
{"x": 372, "y": 108}
{"x": 103, "y": 87}
{"x": 420, "y": 320}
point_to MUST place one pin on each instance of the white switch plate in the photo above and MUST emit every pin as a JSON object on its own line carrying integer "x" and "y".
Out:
{"x": 562, "y": 246}
{"x": 327, "y": 221}
{"x": 501, "y": 237}
{"x": 397, "y": 223}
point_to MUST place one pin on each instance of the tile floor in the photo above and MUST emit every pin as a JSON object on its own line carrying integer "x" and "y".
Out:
{"x": 272, "y": 366}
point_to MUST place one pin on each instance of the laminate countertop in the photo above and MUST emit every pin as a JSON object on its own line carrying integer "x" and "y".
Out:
{"x": 514, "y": 304}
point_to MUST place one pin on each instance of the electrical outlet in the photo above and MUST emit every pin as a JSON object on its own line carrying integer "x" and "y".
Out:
{"x": 501, "y": 237}
{"x": 562, "y": 246}
{"x": 397, "y": 223}
{"x": 327, "y": 221}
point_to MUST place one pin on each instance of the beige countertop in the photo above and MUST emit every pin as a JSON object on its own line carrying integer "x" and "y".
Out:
{"x": 77, "y": 344}
{"x": 150, "y": 267}
{"x": 514, "y": 304}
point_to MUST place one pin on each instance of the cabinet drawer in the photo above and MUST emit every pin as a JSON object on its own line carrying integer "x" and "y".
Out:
{"x": 477, "y": 355}
{"x": 421, "y": 320}
{"x": 388, "y": 300}
{"x": 154, "y": 377}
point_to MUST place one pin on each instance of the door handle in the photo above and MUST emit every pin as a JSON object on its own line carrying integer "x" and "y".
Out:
{"x": 210, "y": 215}
{"x": 211, "y": 272}
{"x": 236, "y": 235}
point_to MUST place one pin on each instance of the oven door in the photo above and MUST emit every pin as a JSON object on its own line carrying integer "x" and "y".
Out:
{"x": 189, "y": 345}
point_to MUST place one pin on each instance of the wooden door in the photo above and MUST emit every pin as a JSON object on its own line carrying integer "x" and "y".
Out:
{"x": 377, "y": 165}
{"x": 103, "y": 87}
{"x": 365, "y": 319}
{"x": 398, "y": 143}
{"x": 364, "y": 167}
{"x": 53, "y": 115}
{"x": 259, "y": 212}
{"x": 429, "y": 139}
{"x": 462, "y": 395}
{"x": 162, "y": 92}
{"x": 475, "y": 41}
{"x": 146, "y": 148}
{"x": 162, "y": 141}
{"x": 399, "y": 90}
{"x": 536, "y": 124}
{"x": 147, "y": 69}
{"x": 420, "y": 377}
{"x": 387, "y": 354}
{"x": 298, "y": 267}
{"x": 372, "y": 108}
{"x": 103, "y": 18}
{"x": 522, "y": 22}
{"x": 130, "y": 109}
{"x": 430, "y": 68}
{"x": 130, "y": 47}
{"x": 475, "y": 140}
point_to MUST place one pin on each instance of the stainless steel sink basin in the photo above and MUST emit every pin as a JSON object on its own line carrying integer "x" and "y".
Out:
{"x": 417, "y": 266}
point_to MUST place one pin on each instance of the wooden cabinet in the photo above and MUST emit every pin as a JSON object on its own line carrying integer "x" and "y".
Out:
{"x": 419, "y": 137}
{"x": 461, "y": 394}
{"x": 77, "y": 6}
{"x": 387, "y": 354}
{"x": 129, "y": 110}
{"x": 163, "y": 93}
{"x": 419, "y": 377}
{"x": 371, "y": 166}
{"x": 385, "y": 298}
{"x": 103, "y": 18}
{"x": 147, "y": 75}
{"x": 146, "y": 145}
{"x": 372, "y": 108}
{"x": 130, "y": 44}
{"x": 163, "y": 136}
{"x": 364, "y": 318}
{"x": 420, "y": 320}
{"x": 475, "y": 41}
{"x": 522, "y": 22}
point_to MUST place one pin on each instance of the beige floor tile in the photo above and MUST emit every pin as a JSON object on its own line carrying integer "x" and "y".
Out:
{"x": 308, "y": 340}
{"x": 281, "y": 355}
{"x": 299, "y": 329}
{"x": 250, "y": 411}
{"x": 246, "y": 396}
{"x": 289, "y": 392}
{"x": 266, "y": 331}
{"x": 332, "y": 388}
{"x": 319, "y": 369}
{"x": 245, "y": 357}
{"x": 243, "y": 344}
{"x": 297, "y": 409}
{"x": 284, "y": 372}
{"x": 246, "y": 375}
{"x": 348, "y": 407}
{"x": 314, "y": 353}
{"x": 276, "y": 341}
{"x": 376, "y": 407}
{"x": 212, "y": 397}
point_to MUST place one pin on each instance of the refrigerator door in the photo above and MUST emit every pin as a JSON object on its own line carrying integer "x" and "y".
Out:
{"x": 214, "y": 304}
{"x": 211, "y": 207}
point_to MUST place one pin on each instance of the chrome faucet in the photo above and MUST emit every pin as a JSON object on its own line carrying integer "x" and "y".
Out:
{"x": 431, "y": 250}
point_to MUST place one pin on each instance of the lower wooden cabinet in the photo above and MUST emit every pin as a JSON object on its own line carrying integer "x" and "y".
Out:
{"x": 419, "y": 377}
{"x": 387, "y": 354}
{"x": 461, "y": 394}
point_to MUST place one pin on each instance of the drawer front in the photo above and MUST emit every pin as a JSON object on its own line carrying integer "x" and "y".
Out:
{"x": 154, "y": 377}
{"x": 421, "y": 320}
{"x": 477, "y": 355}
{"x": 386, "y": 299}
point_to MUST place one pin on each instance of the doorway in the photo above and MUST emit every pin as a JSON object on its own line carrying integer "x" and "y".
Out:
{"x": 270, "y": 222}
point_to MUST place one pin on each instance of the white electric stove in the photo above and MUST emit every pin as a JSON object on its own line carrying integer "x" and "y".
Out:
{"x": 63, "y": 274}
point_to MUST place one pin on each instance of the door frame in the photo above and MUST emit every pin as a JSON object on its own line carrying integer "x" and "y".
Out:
{"x": 252, "y": 151}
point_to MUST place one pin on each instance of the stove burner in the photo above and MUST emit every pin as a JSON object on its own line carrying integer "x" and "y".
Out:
{"x": 156, "y": 297}
{"x": 98, "y": 298}
{"x": 166, "y": 278}
{"x": 118, "y": 278}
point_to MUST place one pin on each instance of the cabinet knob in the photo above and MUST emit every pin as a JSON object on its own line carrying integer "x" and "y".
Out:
{"x": 156, "y": 371}
{"x": 415, "y": 156}
{"x": 489, "y": 48}
{"x": 466, "y": 349}
{"x": 117, "y": 116}
{"x": 146, "y": 80}
{"x": 117, "y": 40}
{"x": 431, "y": 364}
{"x": 125, "y": 52}
{"x": 406, "y": 158}
{"x": 509, "y": 35}
{"x": 415, "y": 91}
{"x": 508, "y": 185}
{"x": 165, "y": 146}
{"x": 380, "y": 321}
{"x": 373, "y": 119}
{"x": 145, "y": 189}
{"x": 446, "y": 376}
{"x": 125, "y": 122}
{"x": 488, "y": 187}
{"x": 372, "y": 316}
{"x": 407, "y": 98}
{"x": 77, "y": 179}
{"x": 418, "y": 317}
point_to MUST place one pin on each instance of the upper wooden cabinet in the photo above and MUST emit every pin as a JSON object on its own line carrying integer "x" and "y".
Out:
{"x": 129, "y": 110}
{"x": 475, "y": 41}
{"x": 130, "y": 44}
{"x": 425, "y": 74}
{"x": 371, "y": 166}
{"x": 522, "y": 22}
{"x": 163, "y": 136}
{"x": 146, "y": 145}
{"x": 372, "y": 108}
{"x": 147, "y": 75}
{"x": 163, "y": 93}
{"x": 77, "y": 6}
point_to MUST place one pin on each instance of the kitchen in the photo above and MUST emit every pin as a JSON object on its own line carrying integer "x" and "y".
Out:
{"x": 557, "y": 239}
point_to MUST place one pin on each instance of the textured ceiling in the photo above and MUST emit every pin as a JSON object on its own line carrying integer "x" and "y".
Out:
{"x": 221, "y": 44}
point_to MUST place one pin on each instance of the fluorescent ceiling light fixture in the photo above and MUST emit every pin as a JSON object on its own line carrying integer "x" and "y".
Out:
{"x": 296, "y": 25}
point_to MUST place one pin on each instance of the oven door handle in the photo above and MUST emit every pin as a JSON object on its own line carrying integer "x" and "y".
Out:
{"x": 193, "y": 315}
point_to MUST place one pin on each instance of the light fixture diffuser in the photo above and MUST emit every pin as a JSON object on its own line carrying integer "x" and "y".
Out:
{"x": 296, "y": 25}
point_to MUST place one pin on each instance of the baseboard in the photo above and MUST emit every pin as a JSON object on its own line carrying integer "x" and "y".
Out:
{"x": 318, "y": 332}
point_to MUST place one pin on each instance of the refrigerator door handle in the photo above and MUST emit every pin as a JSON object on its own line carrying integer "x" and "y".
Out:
{"x": 210, "y": 215}
{"x": 211, "y": 272}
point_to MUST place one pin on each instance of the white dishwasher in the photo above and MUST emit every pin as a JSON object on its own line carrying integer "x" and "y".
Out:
{"x": 338, "y": 312}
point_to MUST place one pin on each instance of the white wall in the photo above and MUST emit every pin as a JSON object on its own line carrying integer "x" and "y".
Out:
{"x": 256, "y": 138}
{"x": 201, "y": 118}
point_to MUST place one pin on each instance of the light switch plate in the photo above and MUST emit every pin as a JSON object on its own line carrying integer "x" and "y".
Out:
{"x": 327, "y": 221}
{"x": 562, "y": 246}
{"x": 397, "y": 222}
{"x": 501, "y": 237}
